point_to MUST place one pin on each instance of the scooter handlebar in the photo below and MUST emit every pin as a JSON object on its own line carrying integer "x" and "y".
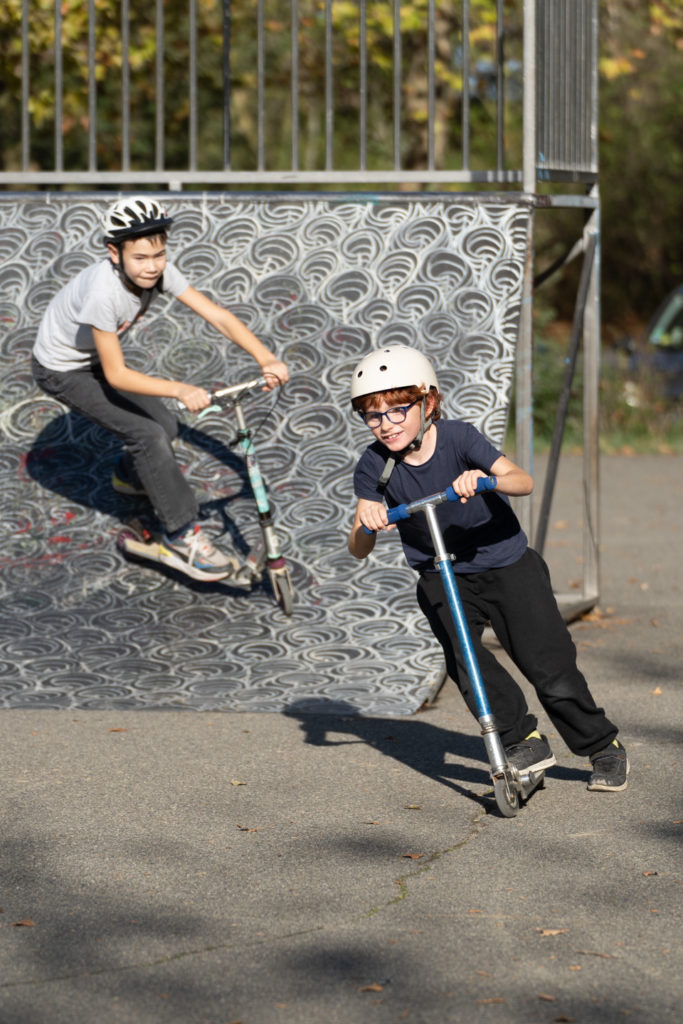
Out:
{"x": 405, "y": 511}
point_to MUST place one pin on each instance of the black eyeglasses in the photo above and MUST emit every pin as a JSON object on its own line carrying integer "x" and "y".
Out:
{"x": 397, "y": 415}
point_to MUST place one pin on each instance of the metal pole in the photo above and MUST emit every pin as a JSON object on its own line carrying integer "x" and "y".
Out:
{"x": 59, "y": 88}
{"x": 591, "y": 398}
{"x": 193, "y": 85}
{"x": 125, "y": 87}
{"x": 92, "y": 89}
{"x": 226, "y": 85}
{"x": 25, "y": 90}
{"x": 524, "y": 422}
{"x": 397, "y": 85}
{"x": 294, "y": 84}
{"x": 159, "y": 88}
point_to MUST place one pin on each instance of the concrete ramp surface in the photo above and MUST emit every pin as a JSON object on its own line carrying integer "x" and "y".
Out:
{"x": 322, "y": 280}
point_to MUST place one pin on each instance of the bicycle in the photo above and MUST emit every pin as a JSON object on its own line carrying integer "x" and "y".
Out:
{"x": 137, "y": 540}
{"x": 510, "y": 786}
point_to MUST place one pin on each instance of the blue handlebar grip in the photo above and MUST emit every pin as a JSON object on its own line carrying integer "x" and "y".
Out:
{"x": 484, "y": 483}
{"x": 393, "y": 515}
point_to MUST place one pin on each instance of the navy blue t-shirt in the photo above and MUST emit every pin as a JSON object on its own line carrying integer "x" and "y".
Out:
{"x": 484, "y": 533}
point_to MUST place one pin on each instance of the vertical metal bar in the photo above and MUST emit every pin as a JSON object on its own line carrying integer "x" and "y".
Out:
{"x": 363, "y": 84}
{"x": 593, "y": 113}
{"x": 59, "y": 88}
{"x": 226, "y": 84}
{"x": 260, "y": 74}
{"x": 92, "y": 89}
{"x": 524, "y": 441}
{"x": 466, "y": 84}
{"x": 329, "y": 100}
{"x": 192, "y": 71}
{"x": 294, "y": 85}
{"x": 160, "y": 113}
{"x": 577, "y": 333}
{"x": 591, "y": 399}
{"x": 500, "y": 85}
{"x": 431, "y": 83}
{"x": 25, "y": 88}
{"x": 125, "y": 85}
{"x": 529, "y": 100}
{"x": 398, "y": 72}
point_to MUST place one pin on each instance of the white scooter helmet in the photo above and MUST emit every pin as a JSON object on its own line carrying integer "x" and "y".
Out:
{"x": 388, "y": 369}
{"x": 392, "y": 367}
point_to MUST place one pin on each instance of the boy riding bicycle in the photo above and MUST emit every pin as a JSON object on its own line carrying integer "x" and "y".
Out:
{"x": 78, "y": 358}
{"x": 501, "y": 579}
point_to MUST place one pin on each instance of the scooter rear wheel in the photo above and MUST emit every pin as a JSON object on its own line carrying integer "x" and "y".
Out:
{"x": 507, "y": 798}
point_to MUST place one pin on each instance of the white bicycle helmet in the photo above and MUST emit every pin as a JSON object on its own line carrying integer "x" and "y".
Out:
{"x": 389, "y": 368}
{"x": 395, "y": 366}
{"x": 133, "y": 218}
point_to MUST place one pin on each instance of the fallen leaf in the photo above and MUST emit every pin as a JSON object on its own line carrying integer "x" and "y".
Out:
{"x": 552, "y": 931}
{"x": 649, "y": 874}
{"x": 575, "y": 967}
{"x": 236, "y": 782}
{"x": 493, "y": 999}
{"x": 26, "y": 923}
{"x": 375, "y": 987}
{"x": 371, "y": 823}
{"x": 547, "y": 998}
{"x": 472, "y": 910}
{"x": 412, "y": 807}
{"x": 412, "y": 856}
{"x": 117, "y": 730}
{"x": 657, "y": 692}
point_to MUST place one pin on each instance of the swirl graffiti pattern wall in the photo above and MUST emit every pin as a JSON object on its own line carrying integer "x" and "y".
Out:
{"x": 322, "y": 280}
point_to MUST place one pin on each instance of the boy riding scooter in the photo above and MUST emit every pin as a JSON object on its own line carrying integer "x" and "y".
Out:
{"x": 501, "y": 579}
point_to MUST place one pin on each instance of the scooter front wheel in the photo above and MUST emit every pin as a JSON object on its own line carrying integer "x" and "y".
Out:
{"x": 507, "y": 797}
{"x": 282, "y": 589}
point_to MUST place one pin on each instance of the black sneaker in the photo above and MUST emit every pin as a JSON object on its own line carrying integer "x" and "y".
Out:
{"x": 610, "y": 769}
{"x": 531, "y": 755}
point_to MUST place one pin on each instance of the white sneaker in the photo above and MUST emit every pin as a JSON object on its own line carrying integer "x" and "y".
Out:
{"x": 195, "y": 555}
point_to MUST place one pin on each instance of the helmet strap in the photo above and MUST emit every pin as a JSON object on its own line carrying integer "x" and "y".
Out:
{"x": 414, "y": 446}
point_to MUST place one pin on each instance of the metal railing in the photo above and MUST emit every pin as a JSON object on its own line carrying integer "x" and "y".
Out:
{"x": 426, "y": 92}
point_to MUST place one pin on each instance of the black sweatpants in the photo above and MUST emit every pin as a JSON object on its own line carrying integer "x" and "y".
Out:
{"x": 519, "y": 603}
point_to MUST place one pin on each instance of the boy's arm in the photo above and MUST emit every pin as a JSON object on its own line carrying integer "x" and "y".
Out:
{"x": 234, "y": 330}
{"x": 512, "y": 480}
{"x": 372, "y": 514}
{"x": 123, "y": 378}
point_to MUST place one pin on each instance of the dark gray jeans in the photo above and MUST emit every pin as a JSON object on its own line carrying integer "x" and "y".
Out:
{"x": 146, "y": 428}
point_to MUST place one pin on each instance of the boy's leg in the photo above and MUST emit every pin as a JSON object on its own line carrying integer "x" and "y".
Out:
{"x": 529, "y": 625}
{"x": 145, "y": 426}
{"x": 508, "y": 704}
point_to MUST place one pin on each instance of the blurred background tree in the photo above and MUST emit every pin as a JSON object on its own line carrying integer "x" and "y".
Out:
{"x": 641, "y": 135}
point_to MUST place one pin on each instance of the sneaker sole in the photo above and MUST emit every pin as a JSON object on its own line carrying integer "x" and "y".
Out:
{"x": 122, "y": 488}
{"x": 175, "y": 561}
{"x": 539, "y": 766}
{"x": 605, "y": 787}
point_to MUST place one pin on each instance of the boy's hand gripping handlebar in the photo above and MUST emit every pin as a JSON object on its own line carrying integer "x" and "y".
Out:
{"x": 405, "y": 511}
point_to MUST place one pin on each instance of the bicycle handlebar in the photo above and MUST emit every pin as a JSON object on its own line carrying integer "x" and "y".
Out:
{"x": 405, "y": 511}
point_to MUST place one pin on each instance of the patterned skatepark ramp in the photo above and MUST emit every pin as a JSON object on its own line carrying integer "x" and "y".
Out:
{"x": 322, "y": 280}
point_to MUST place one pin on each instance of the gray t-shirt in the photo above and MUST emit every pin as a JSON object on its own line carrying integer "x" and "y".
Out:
{"x": 94, "y": 298}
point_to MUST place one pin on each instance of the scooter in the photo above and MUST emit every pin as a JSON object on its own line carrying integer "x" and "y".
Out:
{"x": 510, "y": 786}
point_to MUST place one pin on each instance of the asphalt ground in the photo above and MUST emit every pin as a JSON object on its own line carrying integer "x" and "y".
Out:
{"x": 210, "y": 868}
